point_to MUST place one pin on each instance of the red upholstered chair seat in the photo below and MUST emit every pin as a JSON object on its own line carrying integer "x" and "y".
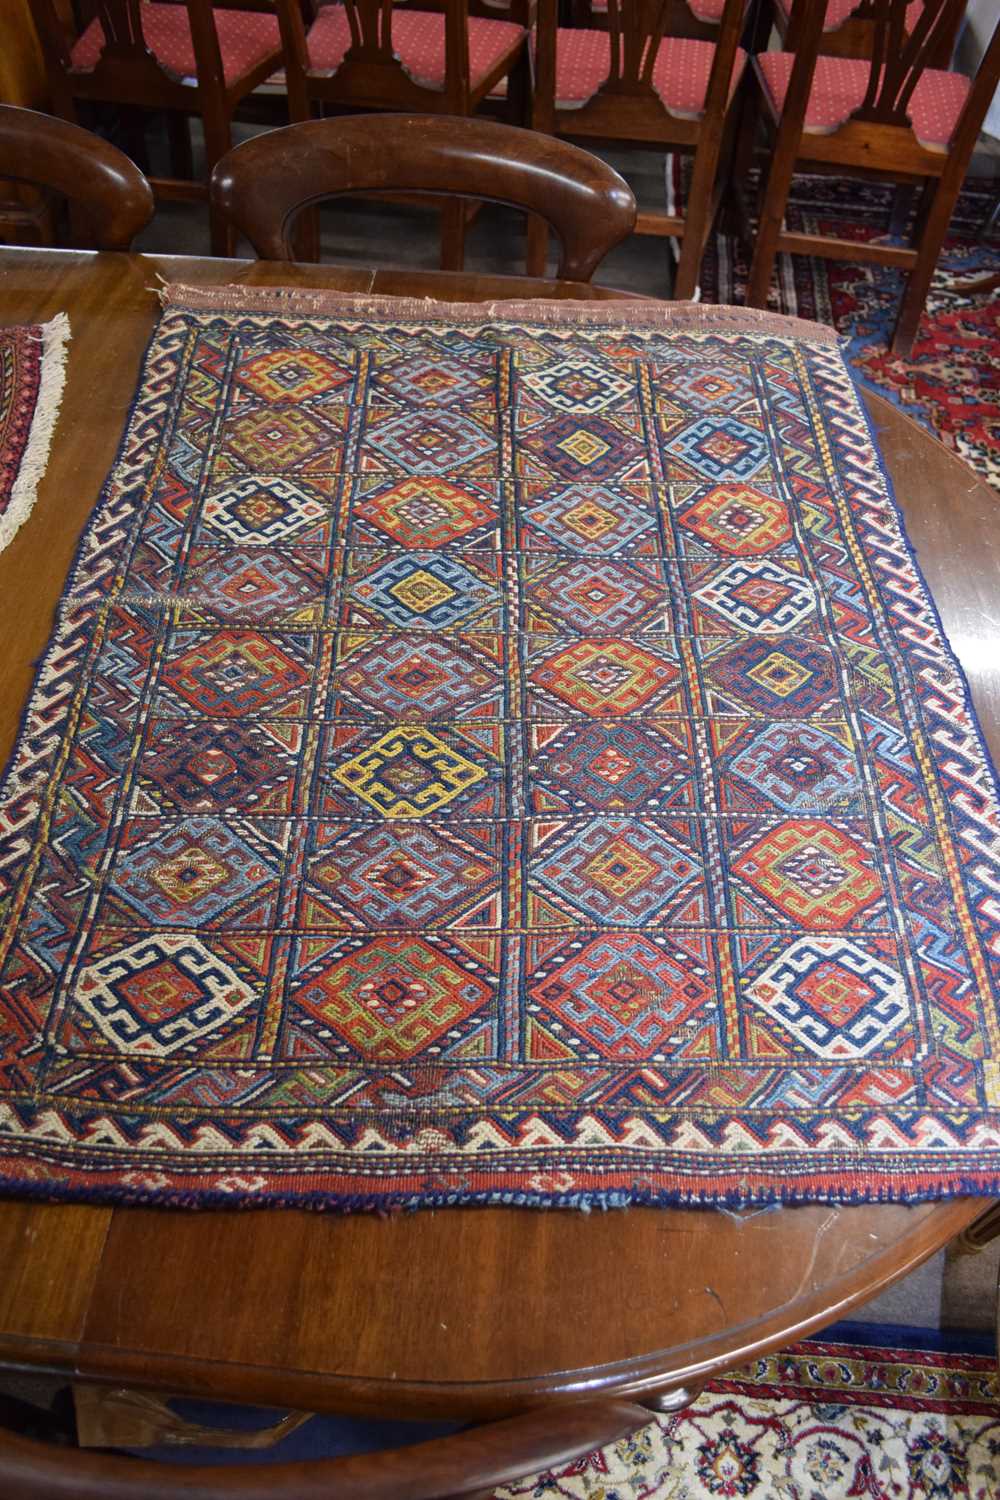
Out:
{"x": 839, "y": 11}
{"x": 419, "y": 42}
{"x": 839, "y": 86}
{"x": 680, "y": 73}
{"x": 246, "y": 39}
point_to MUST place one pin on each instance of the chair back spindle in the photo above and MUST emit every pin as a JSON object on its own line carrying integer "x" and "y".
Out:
{"x": 899, "y": 60}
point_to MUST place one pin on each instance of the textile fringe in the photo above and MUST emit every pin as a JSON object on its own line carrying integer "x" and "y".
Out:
{"x": 674, "y": 316}
{"x": 55, "y": 336}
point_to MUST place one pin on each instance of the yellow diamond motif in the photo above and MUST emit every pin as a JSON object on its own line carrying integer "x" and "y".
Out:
{"x": 590, "y": 520}
{"x": 619, "y": 868}
{"x": 408, "y": 773}
{"x": 586, "y": 447}
{"x": 421, "y": 591}
{"x": 780, "y": 674}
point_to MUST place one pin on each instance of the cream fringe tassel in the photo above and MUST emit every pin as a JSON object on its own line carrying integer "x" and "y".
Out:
{"x": 55, "y": 337}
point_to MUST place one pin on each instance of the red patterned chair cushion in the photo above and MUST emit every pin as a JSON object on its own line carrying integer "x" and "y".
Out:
{"x": 418, "y": 39}
{"x": 246, "y": 38}
{"x": 839, "y": 85}
{"x": 680, "y": 74}
{"x": 839, "y": 11}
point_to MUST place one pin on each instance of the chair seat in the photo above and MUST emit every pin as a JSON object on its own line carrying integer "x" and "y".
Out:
{"x": 680, "y": 73}
{"x": 839, "y": 86}
{"x": 418, "y": 39}
{"x": 839, "y": 11}
{"x": 246, "y": 39}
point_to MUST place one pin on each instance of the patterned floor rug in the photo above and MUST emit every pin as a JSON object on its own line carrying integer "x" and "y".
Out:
{"x": 951, "y": 382}
{"x": 32, "y": 373}
{"x": 824, "y": 1420}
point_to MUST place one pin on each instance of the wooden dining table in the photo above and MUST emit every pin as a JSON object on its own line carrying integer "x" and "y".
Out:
{"x": 464, "y": 1313}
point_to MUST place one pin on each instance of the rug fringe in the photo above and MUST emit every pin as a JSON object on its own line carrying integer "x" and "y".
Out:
{"x": 55, "y": 337}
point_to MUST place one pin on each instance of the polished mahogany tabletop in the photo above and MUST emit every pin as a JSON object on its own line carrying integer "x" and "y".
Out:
{"x": 468, "y": 1312}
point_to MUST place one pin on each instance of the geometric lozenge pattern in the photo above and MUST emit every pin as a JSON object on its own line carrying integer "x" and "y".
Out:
{"x": 497, "y": 756}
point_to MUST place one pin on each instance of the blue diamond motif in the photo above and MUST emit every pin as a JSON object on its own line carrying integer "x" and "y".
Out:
{"x": 720, "y": 448}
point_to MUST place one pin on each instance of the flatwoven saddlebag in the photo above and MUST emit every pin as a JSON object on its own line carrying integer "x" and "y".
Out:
{"x": 497, "y": 755}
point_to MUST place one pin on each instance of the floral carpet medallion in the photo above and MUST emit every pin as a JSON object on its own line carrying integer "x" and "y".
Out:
{"x": 497, "y": 756}
{"x": 820, "y": 1421}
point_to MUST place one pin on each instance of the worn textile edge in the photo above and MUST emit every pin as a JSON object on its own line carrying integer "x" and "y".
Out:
{"x": 680, "y": 316}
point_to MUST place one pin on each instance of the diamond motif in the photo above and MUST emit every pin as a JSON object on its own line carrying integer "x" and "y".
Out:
{"x": 393, "y": 1000}
{"x": 604, "y": 676}
{"x": 155, "y": 997}
{"x": 629, "y": 999}
{"x": 414, "y": 677}
{"x": 196, "y": 869}
{"x": 234, "y": 672}
{"x": 616, "y": 870}
{"x": 812, "y": 872}
{"x": 264, "y": 584}
{"x": 426, "y": 378}
{"x": 260, "y": 509}
{"x": 616, "y": 766}
{"x": 208, "y": 767}
{"x": 429, "y": 442}
{"x": 408, "y": 773}
{"x": 799, "y": 767}
{"x": 581, "y": 447}
{"x": 793, "y": 679}
{"x": 295, "y": 374}
{"x": 404, "y": 875}
{"x": 596, "y": 594}
{"x": 836, "y": 1000}
{"x": 590, "y": 514}
{"x": 720, "y": 448}
{"x": 577, "y": 384}
{"x": 424, "y": 512}
{"x": 760, "y": 597}
{"x": 738, "y": 519}
{"x": 274, "y": 438}
{"x": 434, "y": 592}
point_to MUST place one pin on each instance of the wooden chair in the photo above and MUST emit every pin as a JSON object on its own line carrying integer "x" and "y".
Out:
{"x": 105, "y": 189}
{"x": 848, "y": 32}
{"x": 892, "y": 116}
{"x": 640, "y": 82}
{"x": 470, "y": 1463}
{"x": 262, "y": 185}
{"x": 691, "y": 18}
{"x": 187, "y": 59}
{"x": 447, "y": 57}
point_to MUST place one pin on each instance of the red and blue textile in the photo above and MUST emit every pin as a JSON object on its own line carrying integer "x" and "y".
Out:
{"x": 497, "y": 755}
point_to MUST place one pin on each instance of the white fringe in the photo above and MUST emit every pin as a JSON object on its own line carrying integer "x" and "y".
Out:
{"x": 55, "y": 337}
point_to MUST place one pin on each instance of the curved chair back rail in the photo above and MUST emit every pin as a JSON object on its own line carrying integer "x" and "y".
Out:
{"x": 99, "y": 180}
{"x": 263, "y": 184}
{"x": 467, "y": 1463}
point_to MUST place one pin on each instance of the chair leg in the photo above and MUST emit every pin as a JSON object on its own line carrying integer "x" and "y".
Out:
{"x": 453, "y": 222}
{"x": 772, "y": 214}
{"x": 538, "y": 246}
{"x": 930, "y": 238}
{"x": 218, "y": 140}
{"x": 519, "y": 92}
{"x": 179, "y": 135}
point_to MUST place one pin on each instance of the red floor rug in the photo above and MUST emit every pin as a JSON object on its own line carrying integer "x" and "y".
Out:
{"x": 951, "y": 382}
